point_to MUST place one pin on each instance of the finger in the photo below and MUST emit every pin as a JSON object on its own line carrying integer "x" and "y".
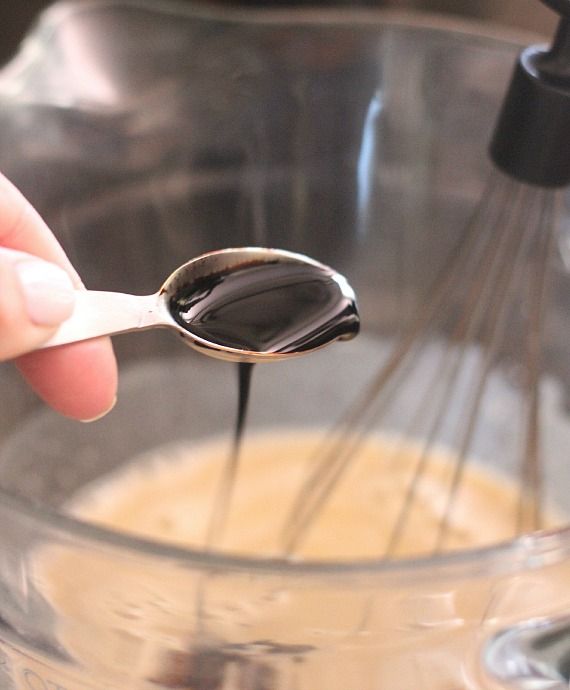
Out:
{"x": 35, "y": 297}
{"x": 79, "y": 381}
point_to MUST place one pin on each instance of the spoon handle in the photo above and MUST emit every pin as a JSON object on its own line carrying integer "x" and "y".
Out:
{"x": 106, "y": 313}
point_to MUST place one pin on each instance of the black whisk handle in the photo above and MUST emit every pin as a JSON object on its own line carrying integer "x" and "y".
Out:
{"x": 532, "y": 138}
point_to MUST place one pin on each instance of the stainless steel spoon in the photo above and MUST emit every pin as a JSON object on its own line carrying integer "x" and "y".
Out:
{"x": 107, "y": 313}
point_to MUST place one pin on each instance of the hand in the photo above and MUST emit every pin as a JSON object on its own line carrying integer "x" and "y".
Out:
{"x": 37, "y": 285}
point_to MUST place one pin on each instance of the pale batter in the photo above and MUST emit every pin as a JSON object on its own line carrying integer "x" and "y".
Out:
{"x": 168, "y": 496}
{"x": 135, "y": 621}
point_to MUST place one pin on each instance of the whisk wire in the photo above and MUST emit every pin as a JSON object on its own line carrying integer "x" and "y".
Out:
{"x": 342, "y": 443}
{"x": 529, "y": 513}
{"x": 472, "y": 295}
{"x": 483, "y": 299}
{"x": 449, "y": 370}
{"x": 517, "y": 245}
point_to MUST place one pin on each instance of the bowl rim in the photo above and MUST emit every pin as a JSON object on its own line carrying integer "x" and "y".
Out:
{"x": 530, "y": 551}
{"x": 61, "y": 10}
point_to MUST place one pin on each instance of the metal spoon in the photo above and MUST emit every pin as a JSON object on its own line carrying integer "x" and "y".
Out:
{"x": 324, "y": 312}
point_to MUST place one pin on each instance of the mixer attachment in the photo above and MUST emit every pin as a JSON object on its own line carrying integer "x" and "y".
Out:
{"x": 484, "y": 313}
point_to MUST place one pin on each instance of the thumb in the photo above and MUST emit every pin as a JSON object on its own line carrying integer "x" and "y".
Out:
{"x": 35, "y": 297}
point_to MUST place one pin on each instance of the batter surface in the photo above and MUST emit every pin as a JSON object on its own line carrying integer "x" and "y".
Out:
{"x": 169, "y": 495}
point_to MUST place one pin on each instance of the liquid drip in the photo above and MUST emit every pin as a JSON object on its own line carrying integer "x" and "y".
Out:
{"x": 261, "y": 307}
{"x": 274, "y": 307}
{"x": 222, "y": 502}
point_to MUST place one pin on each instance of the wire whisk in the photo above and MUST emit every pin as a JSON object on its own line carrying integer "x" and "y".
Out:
{"x": 484, "y": 310}
{"x": 499, "y": 268}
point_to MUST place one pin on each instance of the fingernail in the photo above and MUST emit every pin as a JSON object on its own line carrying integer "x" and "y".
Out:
{"x": 48, "y": 292}
{"x": 100, "y": 416}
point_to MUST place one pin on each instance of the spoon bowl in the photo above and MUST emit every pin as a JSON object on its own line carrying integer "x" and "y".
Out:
{"x": 248, "y": 304}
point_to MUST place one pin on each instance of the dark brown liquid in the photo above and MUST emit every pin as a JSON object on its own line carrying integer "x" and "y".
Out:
{"x": 221, "y": 506}
{"x": 261, "y": 307}
{"x": 267, "y": 307}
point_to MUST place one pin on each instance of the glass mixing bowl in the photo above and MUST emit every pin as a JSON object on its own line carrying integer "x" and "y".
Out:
{"x": 148, "y": 133}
